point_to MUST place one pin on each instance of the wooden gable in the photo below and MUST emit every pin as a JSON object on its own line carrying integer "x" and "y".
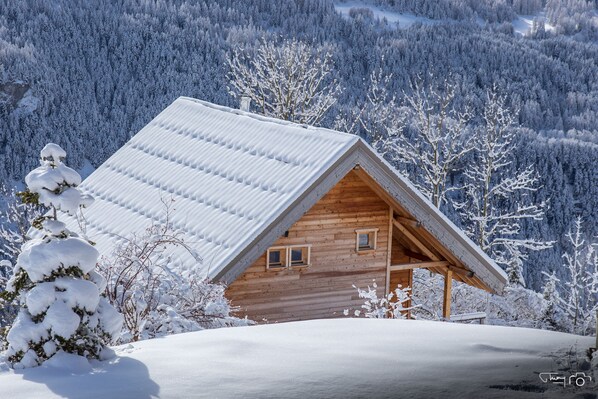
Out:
{"x": 324, "y": 289}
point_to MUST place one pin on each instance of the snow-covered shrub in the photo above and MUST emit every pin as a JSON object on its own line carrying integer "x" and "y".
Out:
{"x": 154, "y": 297}
{"x": 395, "y": 305}
{"x": 54, "y": 282}
{"x": 517, "y": 306}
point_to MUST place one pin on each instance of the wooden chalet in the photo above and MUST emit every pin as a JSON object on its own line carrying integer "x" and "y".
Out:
{"x": 289, "y": 216}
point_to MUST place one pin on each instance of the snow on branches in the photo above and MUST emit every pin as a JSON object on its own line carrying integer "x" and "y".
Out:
{"x": 16, "y": 219}
{"x": 427, "y": 132}
{"x": 54, "y": 281}
{"x": 395, "y": 305}
{"x": 154, "y": 297}
{"x": 492, "y": 182}
{"x": 580, "y": 285}
{"x": 290, "y": 81}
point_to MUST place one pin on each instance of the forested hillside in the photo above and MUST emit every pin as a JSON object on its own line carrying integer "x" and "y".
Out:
{"x": 89, "y": 74}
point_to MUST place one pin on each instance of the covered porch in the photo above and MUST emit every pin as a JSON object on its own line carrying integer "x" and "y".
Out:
{"x": 412, "y": 246}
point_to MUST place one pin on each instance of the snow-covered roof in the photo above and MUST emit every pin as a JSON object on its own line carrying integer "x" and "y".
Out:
{"x": 240, "y": 180}
{"x": 231, "y": 174}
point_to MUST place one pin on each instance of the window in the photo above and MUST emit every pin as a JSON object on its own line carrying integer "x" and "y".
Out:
{"x": 299, "y": 256}
{"x": 289, "y": 256}
{"x": 366, "y": 239}
{"x": 277, "y": 258}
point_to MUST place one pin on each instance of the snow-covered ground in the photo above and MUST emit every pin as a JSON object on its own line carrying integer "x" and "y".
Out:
{"x": 395, "y": 19}
{"x": 523, "y": 23}
{"x": 342, "y": 358}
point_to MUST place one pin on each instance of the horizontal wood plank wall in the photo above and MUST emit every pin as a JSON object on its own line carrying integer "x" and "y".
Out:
{"x": 324, "y": 289}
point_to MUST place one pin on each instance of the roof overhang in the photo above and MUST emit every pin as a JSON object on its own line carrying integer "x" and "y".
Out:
{"x": 490, "y": 276}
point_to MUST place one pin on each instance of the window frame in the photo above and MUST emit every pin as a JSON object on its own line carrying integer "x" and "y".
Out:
{"x": 372, "y": 233}
{"x": 283, "y": 258}
{"x": 307, "y": 258}
{"x": 286, "y": 257}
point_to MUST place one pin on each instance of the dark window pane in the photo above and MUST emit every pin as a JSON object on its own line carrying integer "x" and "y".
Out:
{"x": 296, "y": 256}
{"x": 275, "y": 258}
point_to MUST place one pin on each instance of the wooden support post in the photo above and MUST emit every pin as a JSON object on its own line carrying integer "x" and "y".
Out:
{"x": 448, "y": 288}
{"x": 387, "y": 286}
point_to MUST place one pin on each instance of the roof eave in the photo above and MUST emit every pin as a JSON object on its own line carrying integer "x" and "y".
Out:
{"x": 276, "y": 228}
{"x": 431, "y": 218}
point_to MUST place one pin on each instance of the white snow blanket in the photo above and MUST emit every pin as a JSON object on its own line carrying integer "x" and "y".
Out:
{"x": 341, "y": 358}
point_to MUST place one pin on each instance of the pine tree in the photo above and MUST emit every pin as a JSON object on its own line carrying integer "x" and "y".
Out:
{"x": 53, "y": 281}
{"x": 552, "y": 314}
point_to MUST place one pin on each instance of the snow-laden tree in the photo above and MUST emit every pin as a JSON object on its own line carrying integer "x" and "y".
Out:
{"x": 395, "y": 305}
{"x": 291, "y": 80}
{"x": 152, "y": 294}
{"x": 498, "y": 195}
{"x": 54, "y": 282}
{"x": 426, "y": 131}
{"x": 580, "y": 286}
{"x": 7, "y": 311}
{"x": 16, "y": 219}
{"x": 552, "y": 313}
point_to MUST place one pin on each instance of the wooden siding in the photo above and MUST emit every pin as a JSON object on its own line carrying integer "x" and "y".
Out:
{"x": 324, "y": 289}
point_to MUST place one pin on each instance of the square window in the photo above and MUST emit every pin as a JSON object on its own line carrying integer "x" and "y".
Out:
{"x": 296, "y": 256}
{"x": 366, "y": 239}
{"x": 299, "y": 256}
{"x": 276, "y": 258}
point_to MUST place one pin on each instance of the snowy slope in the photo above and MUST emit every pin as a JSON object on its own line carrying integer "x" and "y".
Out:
{"x": 342, "y": 358}
{"x": 522, "y": 24}
{"x": 395, "y": 19}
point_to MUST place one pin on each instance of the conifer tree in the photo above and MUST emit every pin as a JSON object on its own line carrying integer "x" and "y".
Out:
{"x": 53, "y": 281}
{"x": 552, "y": 314}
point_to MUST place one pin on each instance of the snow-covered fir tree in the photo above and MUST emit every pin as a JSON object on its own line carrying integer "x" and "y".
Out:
{"x": 54, "y": 281}
{"x": 552, "y": 313}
